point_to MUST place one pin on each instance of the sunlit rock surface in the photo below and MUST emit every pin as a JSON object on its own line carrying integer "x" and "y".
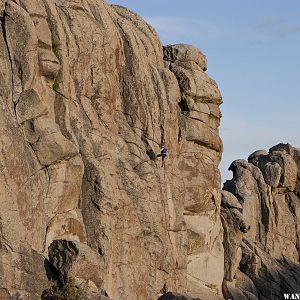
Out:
{"x": 87, "y": 92}
{"x": 262, "y": 262}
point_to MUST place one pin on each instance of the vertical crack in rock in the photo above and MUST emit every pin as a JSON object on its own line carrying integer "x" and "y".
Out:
{"x": 2, "y": 19}
{"x": 45, "y": 198}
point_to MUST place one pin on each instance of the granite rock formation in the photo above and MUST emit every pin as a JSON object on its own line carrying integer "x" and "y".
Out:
{"x": 262, "y": 255}
{"x": 88, "y": 95}
{"x": 87, "y": 92}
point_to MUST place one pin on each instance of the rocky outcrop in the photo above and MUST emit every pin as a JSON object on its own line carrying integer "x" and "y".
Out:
{"x": 175, "y": 296}
{"x": 73, "y": 270}
{"x": 87, "y": 92}
{"x": 263, "y": 261}
{"x": 88, "y": 96}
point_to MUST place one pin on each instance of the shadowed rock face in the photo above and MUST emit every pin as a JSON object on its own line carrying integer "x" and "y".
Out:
{"x": 87, "y": 90}
{"x": 266, "y": 189}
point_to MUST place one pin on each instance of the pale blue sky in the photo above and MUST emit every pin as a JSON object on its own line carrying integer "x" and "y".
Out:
{"x": 253, "y": 50}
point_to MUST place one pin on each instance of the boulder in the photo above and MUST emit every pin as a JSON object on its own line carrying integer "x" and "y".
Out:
{"x": 269, "y": 261}
{"x": 176, "y": 296}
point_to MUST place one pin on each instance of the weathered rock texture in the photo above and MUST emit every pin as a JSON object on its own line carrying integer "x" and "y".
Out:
{"x": 87, "y": 90}
{"x": 261, "y": 219}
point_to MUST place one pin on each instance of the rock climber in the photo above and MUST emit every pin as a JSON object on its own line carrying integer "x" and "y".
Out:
{"x": 163, "y": 154}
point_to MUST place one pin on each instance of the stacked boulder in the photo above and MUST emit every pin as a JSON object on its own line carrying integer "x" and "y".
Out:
{"x": 262, "y": 262}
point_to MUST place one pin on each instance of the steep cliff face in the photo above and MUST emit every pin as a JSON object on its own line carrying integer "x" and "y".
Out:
{"x": 261, "y": 218}
{"x": 87, "y": 94}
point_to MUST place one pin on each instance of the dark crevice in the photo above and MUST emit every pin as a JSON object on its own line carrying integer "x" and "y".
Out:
{"x": 179, "y": 134}
{"x": 276, "y": 212}
{"x": 2, "y": 19}
{"x": 183, "y": 105}
{"x": 161, "y": 109}
{"x": 162, "y": 135}
{"x": 170, "y": 56}
{"x": 293, "y": 209}
{"x": 265, "y": 217}
{"x": 51, "y": 271}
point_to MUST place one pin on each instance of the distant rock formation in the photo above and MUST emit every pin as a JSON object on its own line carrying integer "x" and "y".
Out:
{"x": 87, "y": 92}
{"x": 261, "y": 218}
